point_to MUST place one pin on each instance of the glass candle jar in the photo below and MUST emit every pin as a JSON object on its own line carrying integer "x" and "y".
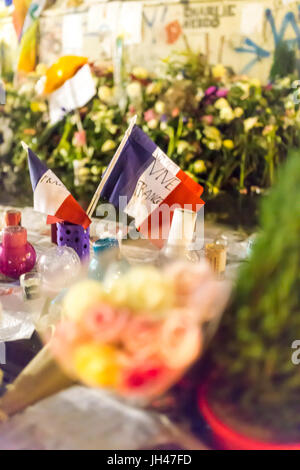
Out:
{"x": 17, "y": 256}
{"x": 31, "y": 284}
{"x": 105, "y": 252}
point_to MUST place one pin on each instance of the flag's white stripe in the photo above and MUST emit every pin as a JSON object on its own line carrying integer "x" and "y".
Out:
{"x": 49, "y": 194}
{"x": 156, "y": 183}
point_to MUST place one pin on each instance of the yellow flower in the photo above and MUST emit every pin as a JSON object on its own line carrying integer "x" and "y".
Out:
{"x": 284, "y": 82}
{"x": 38, "y": 107}
{"x": 152, "y": 124}
{"x": 154, "y": 88}
{"x": 106, "y": 94}
{"x": 289, "y": 104}
{"x": 214, "y": 190}
{"x": 238, "y": 112}
{"x": 226, "y": 114}
{"x": 250, "y": 123}
{"x": 96, "y": 171}
{"x": 108, "y": 145}
{"x": 160, "y": 107}
{"x": 134, "y": 90}
{"x": 199, "y": 95}
{"x": 143, "y": 288}
{"x": 97, "y": 365}
{"x": 182, "y": 145}
{"x": 140, "y": 72}
{"x": 199, "y": 166}
{"x": 218, "y": 71}
{"x": 269, "y": 129}
{"x": 221, "y": 103}
{"x": 228, "y": 144}
{"x": 255, "y": 82}
{"x": 83, "y": 172}
{"x": 81, "y": 297}
{"x": 212, "y": 133}
{"x": 245, "y": 88}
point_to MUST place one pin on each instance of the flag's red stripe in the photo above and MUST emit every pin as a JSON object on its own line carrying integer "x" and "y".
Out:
{"x": 71, "y": 211}
{"x": 189, "y": 183}
{"x": 53, "y": 220}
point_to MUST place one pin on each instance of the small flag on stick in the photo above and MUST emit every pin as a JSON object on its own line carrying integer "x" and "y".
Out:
{"x": 147, "y": 185}
{"x": 50, "y": 195}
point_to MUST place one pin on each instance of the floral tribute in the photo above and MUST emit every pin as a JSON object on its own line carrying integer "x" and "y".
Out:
{"x": 137, "y": 334}
{"x": 228, "y": 132}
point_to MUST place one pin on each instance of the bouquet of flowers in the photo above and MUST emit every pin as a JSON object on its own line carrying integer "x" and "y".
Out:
{"x": 137, "y": 334}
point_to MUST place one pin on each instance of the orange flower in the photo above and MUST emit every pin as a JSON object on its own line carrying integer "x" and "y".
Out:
{"x": 29, "y": 131}
{"x": 175, "y": 112}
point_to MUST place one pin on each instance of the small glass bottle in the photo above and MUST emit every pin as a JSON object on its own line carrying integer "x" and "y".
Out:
{"x": 105, "y": 252}
{"x": 17, "y": 256}
{"x": 12, "y": 217}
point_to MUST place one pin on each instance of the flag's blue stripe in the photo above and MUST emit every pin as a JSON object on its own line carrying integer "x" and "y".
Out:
{"x": 136, "y": 156}
{"x": 36, "y": 168}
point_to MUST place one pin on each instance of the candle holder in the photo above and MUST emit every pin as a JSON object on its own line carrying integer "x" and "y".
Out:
{"x": 76, "y": 237}
{"x": 17, "y": 256}
{"x": 31, "y": 284}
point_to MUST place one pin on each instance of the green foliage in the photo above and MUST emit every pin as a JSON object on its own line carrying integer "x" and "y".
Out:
{"x": 253, "y": 353}
{"x": 284, "y": 62}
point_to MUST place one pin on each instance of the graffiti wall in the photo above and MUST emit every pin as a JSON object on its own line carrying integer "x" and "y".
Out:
{"x": 242, "y": 34}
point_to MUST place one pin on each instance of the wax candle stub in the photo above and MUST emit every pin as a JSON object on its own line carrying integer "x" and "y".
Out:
{"x": 182, "y": 228}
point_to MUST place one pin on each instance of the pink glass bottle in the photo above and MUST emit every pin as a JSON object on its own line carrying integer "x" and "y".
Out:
{"x": 17, "y": 256}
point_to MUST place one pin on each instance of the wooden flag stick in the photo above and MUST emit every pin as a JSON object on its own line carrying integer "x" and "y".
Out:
{"x": 25, "y": 146}
{"x": 109, "y": 169}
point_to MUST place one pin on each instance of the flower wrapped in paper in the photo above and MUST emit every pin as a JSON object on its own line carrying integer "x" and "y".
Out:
{"x": 138, "y": 334}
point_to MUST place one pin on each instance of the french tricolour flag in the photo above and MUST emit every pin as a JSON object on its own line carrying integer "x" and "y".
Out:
{"x": 148, "y": 186}
{"x": 51, "y": 197}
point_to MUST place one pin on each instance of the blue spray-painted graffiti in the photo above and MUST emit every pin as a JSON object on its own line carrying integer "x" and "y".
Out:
{"x": 278, "y": 36}
{"x": 158, "y": 15}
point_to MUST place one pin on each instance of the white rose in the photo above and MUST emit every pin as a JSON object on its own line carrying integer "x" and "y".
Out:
{"x": 134, "y": 90}
{"x": 105, "y": 94}
{"x": 160, "y": 107}
{"x": 153, "y": 124}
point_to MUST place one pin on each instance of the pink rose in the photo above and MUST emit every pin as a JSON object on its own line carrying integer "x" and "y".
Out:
{"x": 141, "y": 336}
{"x": 222, "y": 93}
{"x": 149, "y": 115}
{"x": 80, "y": 139}
{"x": 105, "y": 323}
{"x": 180, "y": 340}
{"x": 208, "y": 119}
